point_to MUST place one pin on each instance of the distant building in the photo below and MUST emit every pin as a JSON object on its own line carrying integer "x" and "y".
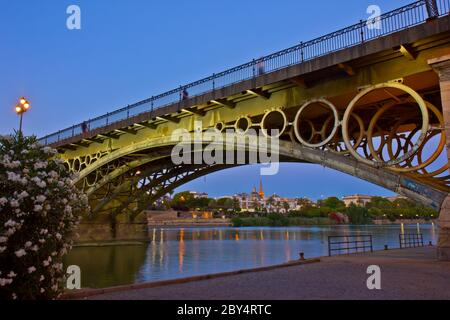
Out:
{"x": 257, "y": 201}
{"x": 254, "y": 201}
{"x": 357, "y": 199}
{"x": 392, "y": 199}
{"x": 243, "y": 200}
{"x": 362, "y": 200}
{"x": 199, "y": 195}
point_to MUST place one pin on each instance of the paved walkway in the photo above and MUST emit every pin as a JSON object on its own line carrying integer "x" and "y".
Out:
{"x": 405, "y": 274}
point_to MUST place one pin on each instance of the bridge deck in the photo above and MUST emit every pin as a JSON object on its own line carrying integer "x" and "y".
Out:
{"x": 294, "y": 74}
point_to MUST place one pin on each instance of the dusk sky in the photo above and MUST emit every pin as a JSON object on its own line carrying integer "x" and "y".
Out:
{"x": 127, "y": 51}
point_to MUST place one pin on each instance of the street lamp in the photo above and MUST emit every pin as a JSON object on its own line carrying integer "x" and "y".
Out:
{"x": 21, "y": 108}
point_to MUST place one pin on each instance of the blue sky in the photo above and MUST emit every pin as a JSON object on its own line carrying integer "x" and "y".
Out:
{"x": 129, "y": 50}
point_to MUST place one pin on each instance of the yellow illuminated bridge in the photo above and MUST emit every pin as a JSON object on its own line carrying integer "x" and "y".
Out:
{"x": 371, "y": 100}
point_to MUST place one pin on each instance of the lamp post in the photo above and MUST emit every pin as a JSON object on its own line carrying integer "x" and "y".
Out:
{"x": 21, "y": 108}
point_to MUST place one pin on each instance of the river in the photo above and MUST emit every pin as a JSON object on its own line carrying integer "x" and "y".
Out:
{"x": 183, "y": 252}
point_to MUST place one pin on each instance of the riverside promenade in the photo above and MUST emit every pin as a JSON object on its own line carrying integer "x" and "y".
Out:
{"x": 405, "y": 274}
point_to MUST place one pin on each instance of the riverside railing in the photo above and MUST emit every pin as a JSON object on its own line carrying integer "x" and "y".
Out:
{"x": 390, "y": 22}
{"x": 349, "y": 244}
{"x": 412, "y": 240}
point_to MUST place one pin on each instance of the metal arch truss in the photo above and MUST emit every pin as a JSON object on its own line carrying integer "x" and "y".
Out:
{"x": 402, "y": 133}
{"x": 138, "y": 192}
{"x": 398, "y": 135}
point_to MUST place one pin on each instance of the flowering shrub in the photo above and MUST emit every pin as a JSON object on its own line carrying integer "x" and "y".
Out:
{"x": 338, "y": 217}
{"x": 39, "y": 209}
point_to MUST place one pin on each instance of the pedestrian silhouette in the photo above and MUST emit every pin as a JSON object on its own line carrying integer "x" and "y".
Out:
{"x": 84, "y": 127}
{"x": 185, "y": 94}
{"x": 260, "y": 66}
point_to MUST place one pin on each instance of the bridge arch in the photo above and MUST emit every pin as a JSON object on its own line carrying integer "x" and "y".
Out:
{"x": 134, "y": 183}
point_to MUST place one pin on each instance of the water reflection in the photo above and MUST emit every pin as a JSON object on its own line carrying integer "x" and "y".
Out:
{"x": 182, "y": 252}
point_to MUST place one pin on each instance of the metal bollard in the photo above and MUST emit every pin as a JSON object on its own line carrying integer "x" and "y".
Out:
{"x": 386, "y": 247}
{"x": 302, "y": 256}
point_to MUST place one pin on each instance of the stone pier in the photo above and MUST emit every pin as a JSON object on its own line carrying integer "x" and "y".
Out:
{"x": 442, "y": 67}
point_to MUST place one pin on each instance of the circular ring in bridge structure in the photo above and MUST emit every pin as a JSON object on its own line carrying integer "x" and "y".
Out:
{"x": 243, "y": 124}
{"x": 314, "y": 132}
{"x": 274, "y": 120}
{"x": 76, "y": 166}
{"x": 220, "y": 126}
{"x": 377, "y": 160}
{"x": 408, "y": 166}
{"x": 337, "y": 145}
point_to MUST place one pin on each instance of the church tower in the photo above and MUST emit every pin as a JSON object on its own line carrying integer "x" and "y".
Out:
{"x": 261, "y": 191}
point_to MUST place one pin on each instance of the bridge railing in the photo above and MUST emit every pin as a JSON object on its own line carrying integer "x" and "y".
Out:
{"x": 393, "y": 21}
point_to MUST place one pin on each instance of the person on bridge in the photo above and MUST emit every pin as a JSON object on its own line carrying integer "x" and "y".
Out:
{"x": 260, "y": 66}
{"x": 84, "y": 127}
{"x": 184, "y": 94}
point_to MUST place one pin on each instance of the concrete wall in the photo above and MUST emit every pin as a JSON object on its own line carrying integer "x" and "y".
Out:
{"x": 404, "y": 221}
{"x": 97, "y": 232}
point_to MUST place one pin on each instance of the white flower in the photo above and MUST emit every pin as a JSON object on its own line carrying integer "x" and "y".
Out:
{"x": 3, "y": 201}
{"x": 58, "y": 266}
{"x": 58, "y": 236}
{"x": 41, "y": 198}
{"x": 4, "y": 282}
{"x": 37, "y": 208}
{"x": 41, "y": 278}
{"x": 68, "y": 209}
{"x": 40, "y": 165}
{"x": 35, "y": 248}
{"x": 12, "y": 176}
{"x": 11, "y": 274}
{"x": 20, "y": 253}
{"x": 2, "y": 249}
{"x": 22, "y": 195}
{"x": 10, "y": 223}
{"x": 11, "y": 165}
{"x": 42, "y": 290}
{"x": 31, "y": 269}
{"x": 3, "y": 239}
{"x": 49, "y": 150}
{"x": 14, "y": 204}
{"x": 41, "y": 184}
{"x": 28, "y": 244}
{"x": 10, "y": 231}
{"x": 53, "y": 174}
{"x": 59, "y": 161}
{"x": 14, "y": 296}
{"x": 46, "y": 263}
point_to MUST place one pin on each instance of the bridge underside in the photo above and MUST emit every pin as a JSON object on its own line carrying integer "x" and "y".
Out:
{"x": 378, "y": 112}
{"x": 132, "y": 186}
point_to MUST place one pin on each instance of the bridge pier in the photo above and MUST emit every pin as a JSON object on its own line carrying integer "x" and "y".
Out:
{"x": 442, "y": 66}
{"x": 443, "y": 250}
